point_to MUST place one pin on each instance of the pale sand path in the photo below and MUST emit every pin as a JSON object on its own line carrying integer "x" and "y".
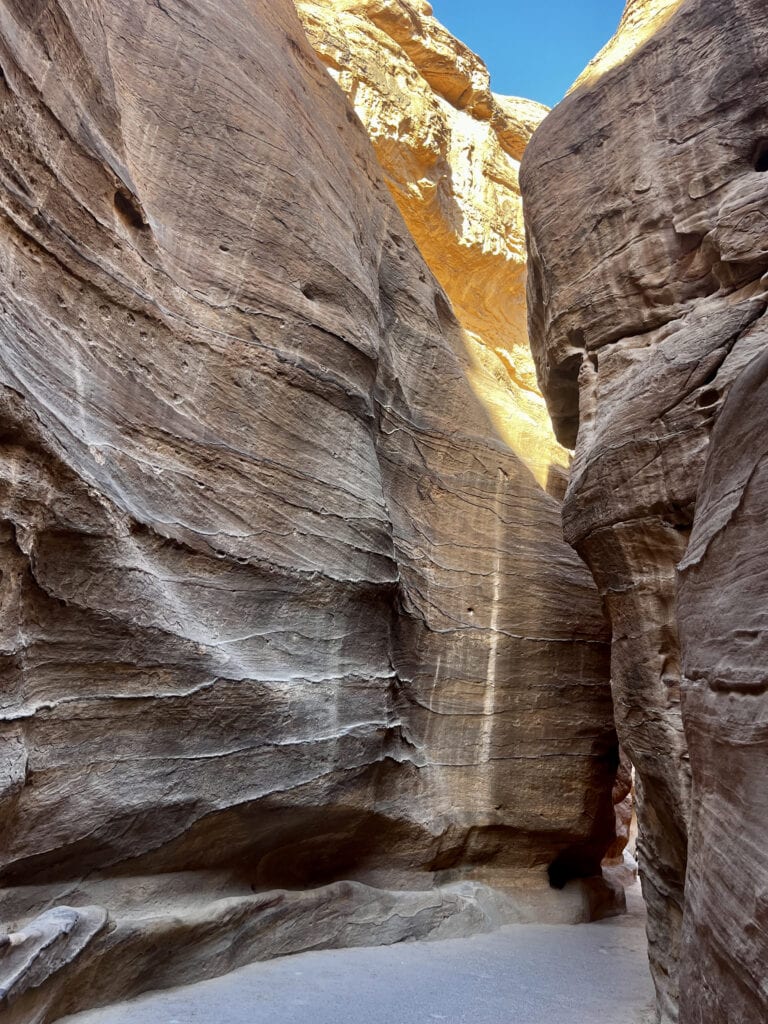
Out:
{"x": 532, "y": 974}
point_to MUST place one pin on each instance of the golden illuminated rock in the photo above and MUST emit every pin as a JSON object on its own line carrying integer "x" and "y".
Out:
{"x": 450, "y": 151}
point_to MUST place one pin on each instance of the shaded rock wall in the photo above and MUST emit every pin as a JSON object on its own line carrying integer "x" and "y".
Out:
{"x": 647, "y": 303}
{"x": 722, "y": 607}
{"x": 293, "y": 651}
{"x": 450, "y": 150}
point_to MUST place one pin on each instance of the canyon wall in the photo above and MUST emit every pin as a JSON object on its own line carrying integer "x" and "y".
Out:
{"x": 450, "y": 151}
{"x": 647, "y": 315}
{"x": 293, "y": 651}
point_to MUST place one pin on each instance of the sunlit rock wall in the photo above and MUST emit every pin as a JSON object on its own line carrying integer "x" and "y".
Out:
{"x": 647, "y": 307}
{"x": 293, "y": 652}
{"x": 450, "y": 150}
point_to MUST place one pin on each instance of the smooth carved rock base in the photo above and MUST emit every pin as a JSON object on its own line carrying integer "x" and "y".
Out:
{"x": 201, "y": 939}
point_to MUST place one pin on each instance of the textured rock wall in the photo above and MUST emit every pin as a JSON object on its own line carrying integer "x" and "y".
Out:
{"x": 450, "y": 150}
{"x": 647, "y": 303}
{"x": 723, "y": 604}
{"x": 293, "y": 651}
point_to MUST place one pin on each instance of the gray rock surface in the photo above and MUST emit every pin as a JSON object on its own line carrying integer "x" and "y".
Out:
{"x": 647, "y": 300}
{"x": 290, "y": 637}
{"x": 531, "y": 975}
{"x": 723, "y": 612}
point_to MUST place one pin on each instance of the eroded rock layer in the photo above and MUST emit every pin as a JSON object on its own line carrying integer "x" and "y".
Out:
{"x": 647, "y": 302}
{"x": 723, "y": 605}
{"x": 293, "y": 651}
{"x": 450, "y": 150}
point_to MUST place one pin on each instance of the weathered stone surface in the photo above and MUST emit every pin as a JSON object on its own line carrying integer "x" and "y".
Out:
{"x": 282, "y": 610}
{"x": 450, "y": 151}
{"x": 48, "y": 944}
{"x": 723, "y": 604}
{"x": 647, "y": 301}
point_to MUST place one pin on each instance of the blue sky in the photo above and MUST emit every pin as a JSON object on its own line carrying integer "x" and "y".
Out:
{"x": 533, "y": 48}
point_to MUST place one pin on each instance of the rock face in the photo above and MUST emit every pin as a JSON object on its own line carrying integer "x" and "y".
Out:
{"x": 294, "y": 654}
{"x": 723, "y": 603}
{"x": 647, "y": 306}
{"x": 450, "y": 150}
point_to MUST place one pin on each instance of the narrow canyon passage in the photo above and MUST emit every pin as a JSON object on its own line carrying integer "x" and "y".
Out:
{"x": 521, "y": 974}
{"x": 383, "y": 480}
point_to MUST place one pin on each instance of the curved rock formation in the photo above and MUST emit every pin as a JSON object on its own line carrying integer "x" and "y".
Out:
{"x": 647, "y": 302}
{"x": 450, "y": 150}
{"x": 293, "y": 651}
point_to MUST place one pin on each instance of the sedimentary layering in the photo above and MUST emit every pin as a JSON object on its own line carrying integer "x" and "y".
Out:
{"x": 648, "y": 305}
{"x": 293, "y": 651}
{"x": 450, "y": 150}
{"x": 723, "y": 605}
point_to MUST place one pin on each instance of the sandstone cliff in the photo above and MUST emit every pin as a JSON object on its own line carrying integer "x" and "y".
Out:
{"x": 647, "y": 307}
{"x": 450, "y": 150}
{"x": 293, "y": 652}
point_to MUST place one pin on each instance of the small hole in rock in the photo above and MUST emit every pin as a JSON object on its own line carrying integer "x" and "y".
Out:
{"x": 310, "y": 292}
{"x": 129, "y": 212}
{"x": 708, "y": 397}
{"x": 224, "y": 248}
{"x": 760, "y": 160}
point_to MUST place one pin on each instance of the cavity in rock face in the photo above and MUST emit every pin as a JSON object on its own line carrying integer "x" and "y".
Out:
{"x": 647, "y": 302}
{"x": 291, "y": 639}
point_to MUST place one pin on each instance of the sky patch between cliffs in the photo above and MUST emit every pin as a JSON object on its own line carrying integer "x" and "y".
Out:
{"x": 532, "y": 49}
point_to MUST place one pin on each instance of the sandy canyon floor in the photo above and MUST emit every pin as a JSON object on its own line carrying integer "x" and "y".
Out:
{"x": 532, "y": 974}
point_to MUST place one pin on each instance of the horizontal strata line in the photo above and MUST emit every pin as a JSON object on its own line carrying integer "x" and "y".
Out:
{"x": 336, "y": 771}
{"x": 371, "y": 727}
{"x": 495, "y": 713}
{"x": 588, "y": 755}
{"x": 28, "y": 713}
{"x": 518, "y": 636}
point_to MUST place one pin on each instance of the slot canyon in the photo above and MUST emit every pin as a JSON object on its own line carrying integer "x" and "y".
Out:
{"x": 381, "y": 486}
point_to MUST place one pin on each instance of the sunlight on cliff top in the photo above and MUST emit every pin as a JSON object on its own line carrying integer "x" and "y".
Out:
{"x": 641, "y": 20}
{"x": 450, "y": 152}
